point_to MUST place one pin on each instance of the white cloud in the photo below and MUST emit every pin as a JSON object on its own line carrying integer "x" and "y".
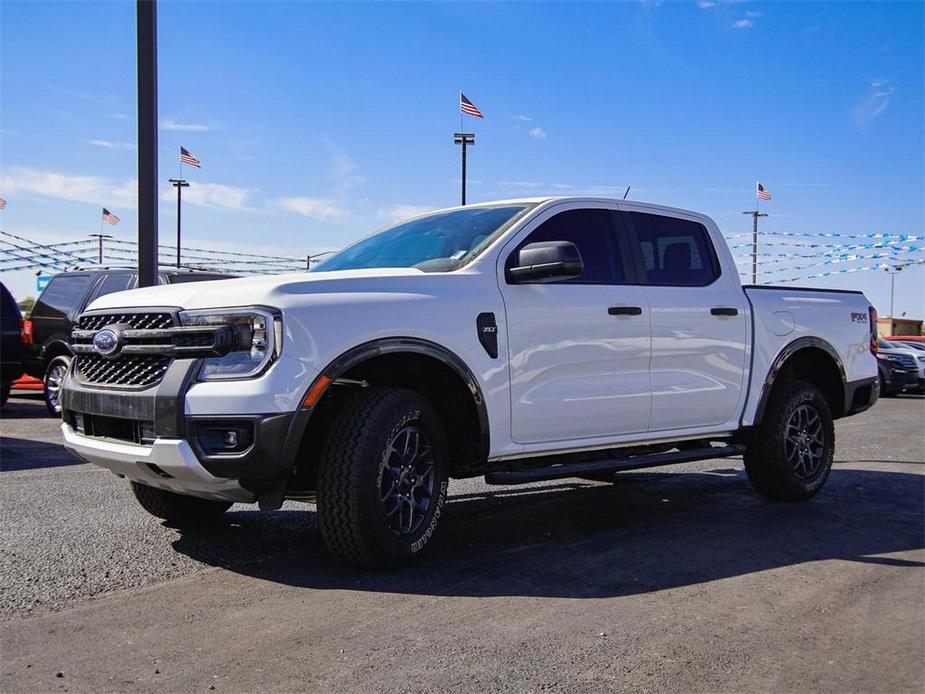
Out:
{"x": 875, "y": 104}
{"x": 168, "y": 124}
{"x": 743, "y": 24}
{"x": 321, "y": 209}
{"x": 87, "y": 189}
{"x": 119, "y": 116}
{"x": 706, "y": 4}
{"x": 4, "y": 131}
{"x": 109, "y": 144}
{"x": 752, "y": 14}
{"x": 397, "y": 213}
{"x": 538, "y": 133}
{"x": 523, "y": 119}
{"x": 215, "y": 195}
{"x": 344, "y": 175}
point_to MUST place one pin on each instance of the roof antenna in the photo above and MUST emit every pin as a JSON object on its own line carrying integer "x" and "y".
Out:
{"x": 627, "y": 192}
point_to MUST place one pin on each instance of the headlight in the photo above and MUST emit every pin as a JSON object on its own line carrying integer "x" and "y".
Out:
{"x": 257, "y": 338}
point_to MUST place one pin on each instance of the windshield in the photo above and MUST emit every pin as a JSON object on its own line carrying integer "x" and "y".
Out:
{"x": 438, "y": 242}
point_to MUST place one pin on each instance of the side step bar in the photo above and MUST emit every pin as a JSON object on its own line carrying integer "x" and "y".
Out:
{"x": 522, "y": 475}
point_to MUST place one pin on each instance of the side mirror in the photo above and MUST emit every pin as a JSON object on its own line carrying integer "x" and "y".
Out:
{"x": 546, "y": 261}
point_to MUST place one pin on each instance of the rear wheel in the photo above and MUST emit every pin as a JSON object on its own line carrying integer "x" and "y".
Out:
{"x": 178, "y": 509}
{"x": 382, "y": 478}
{"x": 791, "y": 455}
{"x": 54, "y": 377}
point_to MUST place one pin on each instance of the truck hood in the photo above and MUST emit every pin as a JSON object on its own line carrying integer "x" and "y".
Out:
{"x": 271, "y": 290}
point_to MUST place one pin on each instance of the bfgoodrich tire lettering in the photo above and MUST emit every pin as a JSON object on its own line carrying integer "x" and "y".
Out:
{"x": 791, "y": 455}
{"x": 382, "y": 478}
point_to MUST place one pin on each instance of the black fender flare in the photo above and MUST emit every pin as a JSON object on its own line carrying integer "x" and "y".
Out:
{"x": 783, "y": 356}
{"x": 370, "y": 350}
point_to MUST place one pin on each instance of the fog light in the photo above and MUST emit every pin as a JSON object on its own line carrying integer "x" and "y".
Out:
{"x": 217, "y": 437}
{"x": 79, "y": 423}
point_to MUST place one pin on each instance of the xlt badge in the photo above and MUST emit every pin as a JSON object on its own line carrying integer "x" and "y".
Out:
{"x": 488, "y": 333}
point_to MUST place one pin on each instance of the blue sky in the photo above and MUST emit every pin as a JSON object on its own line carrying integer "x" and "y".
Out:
{"x": 318, "y": 122}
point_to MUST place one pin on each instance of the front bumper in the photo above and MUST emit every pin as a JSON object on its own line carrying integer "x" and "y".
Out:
{"x": 167, "y": 464}
{"x": 150, "y": 437}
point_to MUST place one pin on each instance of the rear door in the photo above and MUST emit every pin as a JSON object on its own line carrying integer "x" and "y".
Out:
{"x": 698, "y": 320}
{"x": 579, "y": 348}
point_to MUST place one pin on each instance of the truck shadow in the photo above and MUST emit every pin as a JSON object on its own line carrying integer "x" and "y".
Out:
{"x": 648, "y": 532}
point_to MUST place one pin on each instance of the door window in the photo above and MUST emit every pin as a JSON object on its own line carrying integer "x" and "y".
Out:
{"x": 592, "y": 233}
{"x": 112, "y": 284}
{"x": 675, "y": 252}
{"x": 63, "y": 296}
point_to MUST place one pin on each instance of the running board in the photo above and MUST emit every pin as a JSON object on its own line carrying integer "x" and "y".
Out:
{"x": 558, "y": 471}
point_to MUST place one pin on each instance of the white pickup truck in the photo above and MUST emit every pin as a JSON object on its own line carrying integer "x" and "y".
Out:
{"x": 520, "y": 340}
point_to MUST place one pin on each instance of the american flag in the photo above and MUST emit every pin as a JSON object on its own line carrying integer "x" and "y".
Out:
{"x": 762, "y": 192}
{"x": 467, "y": 106}
{"x": 2, "y": 203}
{"x": 187, "y": 158}
{"x": 109, "y": 217}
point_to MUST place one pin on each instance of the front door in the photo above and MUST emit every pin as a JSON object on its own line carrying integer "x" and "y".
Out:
{"x": 579, "y": 348}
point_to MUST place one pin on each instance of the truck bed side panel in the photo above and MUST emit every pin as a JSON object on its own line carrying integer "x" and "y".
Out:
{"x": 783, "y": 315}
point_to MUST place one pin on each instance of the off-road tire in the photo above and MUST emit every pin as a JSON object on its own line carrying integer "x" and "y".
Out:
{"x": 769, "y": 458}
{"x": 51, "y": 383}
{"x": 179, "y": 510}
{"x": 354, "y": 469}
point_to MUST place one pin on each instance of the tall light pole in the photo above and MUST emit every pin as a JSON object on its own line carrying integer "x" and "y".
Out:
{"x": 892, "y": 273}
{"x": 179, "y": 184}
{"x": 146, "y": 37}
{"x": 755, "y": 214}
{"x": 101, "y": 237}
{"x": 463, "y": 139}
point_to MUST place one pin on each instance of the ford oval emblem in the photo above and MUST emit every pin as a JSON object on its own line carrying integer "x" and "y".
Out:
{"x": 107, "y": 342}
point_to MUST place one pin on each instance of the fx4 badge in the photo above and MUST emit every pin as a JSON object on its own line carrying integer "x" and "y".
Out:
{"x": 858, "y": 317}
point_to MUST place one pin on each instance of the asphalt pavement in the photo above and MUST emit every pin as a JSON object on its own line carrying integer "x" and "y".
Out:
{"x": 677, "y": 579}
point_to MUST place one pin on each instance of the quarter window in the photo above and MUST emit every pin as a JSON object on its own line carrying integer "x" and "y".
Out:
{"x": 675, "y": 252}
{"x": 592, "y": 233}
{"x": 63, "y": 296}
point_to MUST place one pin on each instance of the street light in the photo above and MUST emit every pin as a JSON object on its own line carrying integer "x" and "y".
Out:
{"x": 891, "y": 271}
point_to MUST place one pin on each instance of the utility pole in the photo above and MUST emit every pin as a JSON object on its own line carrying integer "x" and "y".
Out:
{"x": 464, "y": 139}
{"x": 100, "y": 237}
{"x": 179, "y": 184}
{"x": 755, "y": 214}
{"x": 146, "y": 38}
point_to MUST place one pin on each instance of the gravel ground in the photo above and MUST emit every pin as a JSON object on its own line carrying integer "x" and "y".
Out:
{"x": 679, "y": 579}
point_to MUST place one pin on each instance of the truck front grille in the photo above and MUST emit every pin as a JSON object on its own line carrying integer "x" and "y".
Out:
{"x": 154, "y": 320}
{"x": 126, "y": 370}
{"x": 134, "y": 371}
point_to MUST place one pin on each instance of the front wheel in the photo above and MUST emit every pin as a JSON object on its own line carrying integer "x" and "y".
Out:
{"x": 54, "y": 377}
{"x": 178, "y": 509}
{"x": 791, "y": 455}
{"x": 382, "y": 478}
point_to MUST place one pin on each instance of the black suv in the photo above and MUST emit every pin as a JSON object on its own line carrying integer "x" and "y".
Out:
{"x": 11, "y": 346}
{"x": 63, "y": 299}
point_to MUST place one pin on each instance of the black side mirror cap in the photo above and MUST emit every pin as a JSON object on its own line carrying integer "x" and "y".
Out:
{"x": 546, "y": 261}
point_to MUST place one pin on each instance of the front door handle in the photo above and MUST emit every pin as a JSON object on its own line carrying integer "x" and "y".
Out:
{"x": 724, "y": 311}
{"x": 624, "y": 311}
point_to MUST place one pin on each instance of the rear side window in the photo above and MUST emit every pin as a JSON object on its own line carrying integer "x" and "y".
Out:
{"x": 675, "y": 252}
{"x": 63, "y": 296}
{"x": 592, "y": 232}
{"x": 112, "y": 284}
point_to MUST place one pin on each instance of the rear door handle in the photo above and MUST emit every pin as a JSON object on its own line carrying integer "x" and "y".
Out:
{"x": 624, "y": 311}
{"x": 724, "y": 311}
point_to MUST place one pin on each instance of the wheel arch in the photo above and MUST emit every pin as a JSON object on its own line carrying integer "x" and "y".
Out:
{"x": 393, "y": 361}
{"x": 811, "y": 359}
